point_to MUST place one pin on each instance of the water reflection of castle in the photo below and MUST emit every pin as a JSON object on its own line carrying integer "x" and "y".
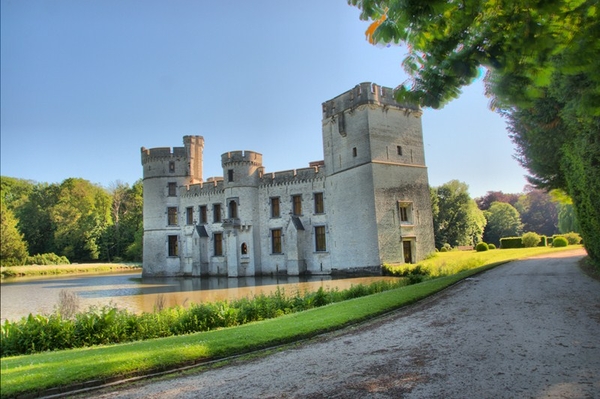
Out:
{"x": 365, "y": 204}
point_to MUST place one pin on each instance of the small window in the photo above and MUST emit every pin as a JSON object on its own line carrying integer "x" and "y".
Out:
{"x": 233, "y": 210}
{"x": 218, "y": 244}
{"x": 275, "y": 212}
{"x": 189, "y": 215}
{"x": 320, "y": 242}
{"x": 217, "y": 213}
{"x": 405, "y": 212}
{"x": 230, "y": 175}
{"x": 173, "y": 246}
{"x": 297, "y": 205}
{"x": 171, "y": 166}
{"x": 172, "y": 189}
{"x": 319, "y": 205}
{"x": 172, "y": 216}
{"x": 399, "y": 149}
{"x": 203, "y": 217}
{"x": 244, "y": 249}
{"x": 276, "y": 241}
{"x": 354, "y": 152}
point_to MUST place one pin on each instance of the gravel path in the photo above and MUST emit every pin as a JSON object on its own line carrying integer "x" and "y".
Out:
{"x": 527, "y": 329}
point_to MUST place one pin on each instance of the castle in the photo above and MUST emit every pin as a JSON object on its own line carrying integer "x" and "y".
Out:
{"x": 367, "y": 203}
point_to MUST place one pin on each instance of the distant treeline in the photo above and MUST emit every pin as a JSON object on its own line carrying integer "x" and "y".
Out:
{"x": 76, "y": 219}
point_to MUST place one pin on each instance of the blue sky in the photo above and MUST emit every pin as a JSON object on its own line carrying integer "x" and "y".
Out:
{"x": 85, "y": 84}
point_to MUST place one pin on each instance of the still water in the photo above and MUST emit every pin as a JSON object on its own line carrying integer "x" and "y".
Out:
{"x": 39, "y": 295}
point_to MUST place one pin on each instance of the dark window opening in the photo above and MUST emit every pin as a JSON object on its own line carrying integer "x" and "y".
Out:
{"x": 233, "y": 210}
{"x": 203, "y": 214}
{"x": 173, "y": 246}
{"x": 230, "y": 175}
{"x": 275, "y": 212}
{"x": 244, "y": 249}
{"x": 319, "y": 204}
{"x": 171, "y": 166}
{"x": 189, "y": 215}
{"x": 276, "y": 241}
{"x": 320, "y": 242}
{"x": 399, "y": 149}
{"x": 172, "y": 189}
{"x": 354, "y": 152}
{"x": 218, "y": 244}
{"x": 217, "y": 213}
{"x": 172, "y": 216}
{"x": 297, "y": 205}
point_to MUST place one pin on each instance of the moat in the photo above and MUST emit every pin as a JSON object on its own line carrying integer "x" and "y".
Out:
{"x": 39, "y": 295}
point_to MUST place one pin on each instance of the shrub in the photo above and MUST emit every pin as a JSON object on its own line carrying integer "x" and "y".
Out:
{"x": 560, "y": 241}
{"x": 530, "y": 240}
{"x": 572, "y": 238}
{"x": 491, "y": 246}
{"x": 47, "y": 259}
{"x": 482, "y": 246}
{"x": 511, "y": 242}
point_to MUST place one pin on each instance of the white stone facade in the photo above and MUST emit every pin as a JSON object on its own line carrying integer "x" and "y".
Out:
{"x": 366, "y": 204}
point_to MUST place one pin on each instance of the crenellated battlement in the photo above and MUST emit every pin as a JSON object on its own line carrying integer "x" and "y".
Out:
{"x": 293, "y": 176}
{"x": 361, "y": 94}
{"x": 161, "y": 153}
{"x": 212, "y": 186}
{"x": 241, "y": 156}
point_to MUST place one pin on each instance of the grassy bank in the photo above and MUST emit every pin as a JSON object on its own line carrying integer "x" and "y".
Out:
{"x": 49, "y": 270}
{"x": 40, "y": 372}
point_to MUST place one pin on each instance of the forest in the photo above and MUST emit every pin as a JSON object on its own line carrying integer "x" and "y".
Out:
{"x": 77, "y": 221}
{"x": 74, "y": 221}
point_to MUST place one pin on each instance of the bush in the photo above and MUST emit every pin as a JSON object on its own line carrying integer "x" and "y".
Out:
{"x": 482, "y": 246}
{"x": 530, "y": 240}
{"x": 572, "y": 238}
{"x": 560, "y": 241}
{"x": 491, "y": 246}
{"x": 47, "y": 259}
{"x": 511, "y": 242}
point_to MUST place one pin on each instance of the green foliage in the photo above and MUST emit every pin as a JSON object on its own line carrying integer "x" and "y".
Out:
{"x": 456, "y": 217}
{"x": 47, "y": 259}
{"x": 481, "y": 246}
{"x": 103, "y": 325}
{"x": 531, "y": 239}
{"x": 511, "y": 242}
{"x": 572, "y": 238}
{"x": 559, "y": 241}
{"x": 491, "y": 246}
{"x": 503, "y": 220}
{"x": 13, "y": 248}
{"x": 538, "y": 212}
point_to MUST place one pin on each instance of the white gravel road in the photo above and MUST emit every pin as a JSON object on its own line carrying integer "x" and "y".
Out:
{"x": 527, "y": 329}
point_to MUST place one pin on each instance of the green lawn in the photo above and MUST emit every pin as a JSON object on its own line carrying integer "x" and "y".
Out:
{"x": 43, "y": 371}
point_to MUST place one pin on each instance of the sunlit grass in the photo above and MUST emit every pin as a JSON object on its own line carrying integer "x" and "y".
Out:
{"x": 36, "y": 373}
{"x": 49, "y": 270}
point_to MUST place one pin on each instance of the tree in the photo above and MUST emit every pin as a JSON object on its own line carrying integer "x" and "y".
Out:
{"x": 13, "y": 249}
{"x": 503, "y": 220}
{"x": 541, "y": 59}
{"x": 35, "y": 221}
{"x": 538, "y": 212}
{"x": 490, "y": 197}
{"x": 456, "y": 218}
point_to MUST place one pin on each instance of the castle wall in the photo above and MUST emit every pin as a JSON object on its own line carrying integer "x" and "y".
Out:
{"x": 372, "y": 191}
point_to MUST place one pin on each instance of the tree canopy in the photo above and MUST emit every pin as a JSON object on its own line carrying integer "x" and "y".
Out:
{"x": 541, "y": 61}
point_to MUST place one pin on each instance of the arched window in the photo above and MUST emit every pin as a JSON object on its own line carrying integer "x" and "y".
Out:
{"x": 244, "y": 249}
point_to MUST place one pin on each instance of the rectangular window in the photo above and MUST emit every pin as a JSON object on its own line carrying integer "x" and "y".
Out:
{"x": 218, "y": 244}
{"x": 173, "y": 246}
{"x": 172, "y": 216}
{"x": 230, "y": 175}
{"x": 189, "y": 215}
{"x": 276, "y": 241}
{"x": 399, "y": 149}
{"x": 275, "y": 212}
{"x": 405, "y": 212}
{"x": 172, "y": 190}
{"x": 203, "y": 217}
{"x": 217, "y": 213}
{"x": 297, "y": 205}
{"x": 171, "y": 166}
{"x": 354, "y": 152}
{"x": 319, "y": 205}
{"x": 320, "y": 242}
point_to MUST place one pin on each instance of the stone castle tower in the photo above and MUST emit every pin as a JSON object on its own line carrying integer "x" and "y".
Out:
{"x": 367, "y": 203}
